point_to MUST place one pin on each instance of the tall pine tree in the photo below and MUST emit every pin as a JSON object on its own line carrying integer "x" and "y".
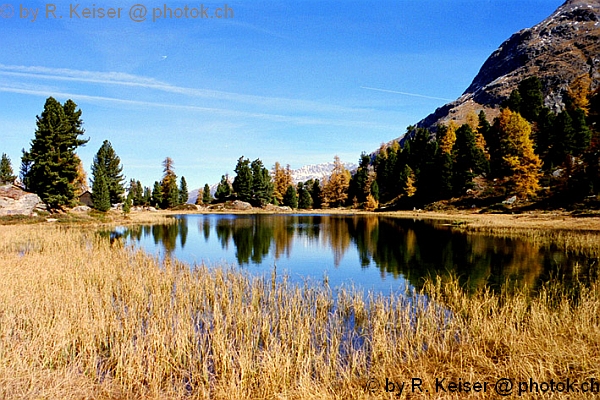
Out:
{"x": 224, "y": 189}
{"x": 206, "y": 196}
{"x": 51, "y": 161}
{"x": 6, "y": 171}
{"x": 183, "y": 191}
{"x": 109, "y": 163}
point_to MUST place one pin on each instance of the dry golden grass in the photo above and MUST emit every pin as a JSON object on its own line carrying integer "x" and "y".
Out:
{"x": 80, "y": 319}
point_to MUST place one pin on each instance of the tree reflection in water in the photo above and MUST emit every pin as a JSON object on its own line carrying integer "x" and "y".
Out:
{"x": 401, "y": 249}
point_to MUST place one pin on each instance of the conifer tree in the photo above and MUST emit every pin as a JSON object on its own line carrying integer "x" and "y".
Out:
{"x": 100, "y": 191}
{"x": 51, "y": 161}
{"x": 206, "y": 196}
{"x": 242, "y": 183}
{"x": 579, "y": 93}
{"x": 290, "y": 198}
{"x": 147, "y": 199}
{"x": 532, "y": 98}
{"x": 282, "y": 178}
{"x": 304, "y": 198}
{"x": 25, "y": 168}
{"x": 127, "y": 204}
{"x": 80, "y": 182}
{"x": 446, "y": 137}
{"x": 168, "y": 184}
{"x": 445, "y": 175}
{"x": 374, "y": 191}
{"x": 521, "y": 164}
{"x": 359, "y": 183}
{"x": 314, "y": 188}
{"x": 224, "y": 188}
{"x": 157, "y": 195}
{"x": 6, "y": 171}
{"x": 335, "y": 188}
{"x": 469, "y": 160}
{"x": 138, "y": 200}
{"x": 183, "y": 191}
{"x": 262, "y": 186}
{"x": 409, "y": 187}
{"x": 106, "y": 159}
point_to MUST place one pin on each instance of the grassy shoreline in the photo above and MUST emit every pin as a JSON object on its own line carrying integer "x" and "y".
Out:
{"x": 81, "y": 319}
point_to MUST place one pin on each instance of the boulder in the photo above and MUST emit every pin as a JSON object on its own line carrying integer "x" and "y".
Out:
{"x": 241, "y": 205}
{"x": 16, "y": 201}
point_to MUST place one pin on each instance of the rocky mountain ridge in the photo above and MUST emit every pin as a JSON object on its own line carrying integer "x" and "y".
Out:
{"x": 561, "y": 48}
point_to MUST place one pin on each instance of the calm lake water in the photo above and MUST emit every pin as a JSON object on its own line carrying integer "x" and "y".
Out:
{"x": 375, "y": 253}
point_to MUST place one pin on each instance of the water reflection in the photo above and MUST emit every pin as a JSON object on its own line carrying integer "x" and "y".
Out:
{"x": 376, "y": 252}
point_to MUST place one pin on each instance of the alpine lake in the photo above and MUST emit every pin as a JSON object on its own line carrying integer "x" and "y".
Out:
{"x": 370, "y": 253}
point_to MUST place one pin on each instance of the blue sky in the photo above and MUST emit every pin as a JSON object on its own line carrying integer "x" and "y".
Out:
{"x": 290, "y": 82}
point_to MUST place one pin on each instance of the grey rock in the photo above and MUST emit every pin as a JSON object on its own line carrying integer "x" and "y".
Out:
{"x": 16, "y": 201}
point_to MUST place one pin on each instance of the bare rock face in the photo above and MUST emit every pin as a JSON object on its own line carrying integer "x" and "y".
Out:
{"x": 16, "y": 201}
{"x": 558, "y": 50}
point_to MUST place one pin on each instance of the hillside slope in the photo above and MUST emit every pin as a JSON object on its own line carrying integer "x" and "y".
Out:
{"x": 559, "y": 49}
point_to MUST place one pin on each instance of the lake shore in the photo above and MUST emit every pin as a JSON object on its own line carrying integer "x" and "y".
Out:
{"x": 82, "y": 318}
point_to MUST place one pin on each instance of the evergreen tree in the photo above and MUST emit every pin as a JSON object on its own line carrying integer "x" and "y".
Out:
{"x": 315, "y": 193}
{"x": 51, "y": 161}
{"x": 224, "y": 189}
{"x": 183, "y": 191}
{"x": 262, "y": 187}
{"x": 26, "y": 163}
{"x": 514, "y": 101}
{"x": 375, "y": 190}
{"x": 170, "y": 191}
{"x": 6, "y": 171}
{"x": 304, "y": 198}
{"x": 532, "y": 98}
{"x": 100, "y": 191}
{"x": 469, "y": 160}
{"x": 290, "y": 198}
{"x": 157, "y": 195}
{"x": 358, "y": 183}
{"x": 107, "y": 160}
{"x": 147, "y": 199}
{"x": 127, "y": 204}
{"x": 138, "y": 200}
{"x": 445, "y": 177}
{"x": 206, "y": 196}
{"x": 242, "y": 183}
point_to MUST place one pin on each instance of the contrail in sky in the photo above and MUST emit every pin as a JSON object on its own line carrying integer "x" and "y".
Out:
{"x": 405, "y": 94}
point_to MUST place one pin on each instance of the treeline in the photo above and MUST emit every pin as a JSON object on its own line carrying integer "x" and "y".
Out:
{"x": 52, "y": 169}
{"x": 527, "y": 150}
{"x": 528, "y": 147}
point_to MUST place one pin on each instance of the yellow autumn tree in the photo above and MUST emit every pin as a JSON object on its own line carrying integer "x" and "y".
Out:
{"x": 409, "y": 184}
{"x": 80, "y": 182}
{"x": 579, "y": 93}
{"x": 473, "y": 122}
{"x": 521, "y": 163}
{"x": 282, "y": 179}
{"x": 335, "y": 188}
{"x": 448, "y": 137}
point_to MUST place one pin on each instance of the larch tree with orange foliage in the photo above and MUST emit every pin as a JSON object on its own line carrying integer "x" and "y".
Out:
{"x": 522, "y": 165}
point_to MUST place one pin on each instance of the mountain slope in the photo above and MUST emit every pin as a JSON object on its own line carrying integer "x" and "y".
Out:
{"x": 559, "y": 49}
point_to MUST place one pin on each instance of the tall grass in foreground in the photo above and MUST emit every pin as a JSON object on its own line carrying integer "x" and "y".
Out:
{"x": 81, "y": 319}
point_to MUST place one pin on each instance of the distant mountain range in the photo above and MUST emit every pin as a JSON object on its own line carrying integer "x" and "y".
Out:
{"x": 303, "y": 174}
{"x": 561, "y": 48}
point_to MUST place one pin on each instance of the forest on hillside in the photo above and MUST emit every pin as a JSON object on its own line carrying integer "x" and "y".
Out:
{"x": 529, "y": 155}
